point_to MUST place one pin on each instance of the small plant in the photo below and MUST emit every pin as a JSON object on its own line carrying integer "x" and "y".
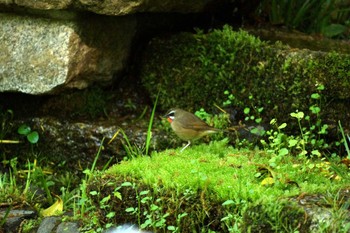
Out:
{"x": 233, "y": 220}
{"x": 84, "y": 203}
{"x": 178, "y": 222}
{"x": 149, "y": 130}
{"x": 32, "y": 136}
{"x": 277, "y": 139}
{"x": 345, "y": 140}
{"x": 219, "y": 121}
{"x": 135, "y": 150}
{"x": 132, "y": 150}
{"x": 149, "y": 211}
{"x": 253, "y": 113}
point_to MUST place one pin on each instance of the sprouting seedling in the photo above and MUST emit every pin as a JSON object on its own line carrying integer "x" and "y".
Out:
{"x": 32, "y": 136}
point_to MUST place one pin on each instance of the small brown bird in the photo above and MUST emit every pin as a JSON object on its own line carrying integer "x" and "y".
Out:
{"x": 187, "y": 126}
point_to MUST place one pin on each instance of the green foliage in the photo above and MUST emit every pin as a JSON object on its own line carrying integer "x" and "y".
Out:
{"x": 219, "y": 121}
{"x": 132, "y": 150}
{"x": 209, "y": 62}
{"x": 192, "y": 72}
{"x": 169, "y": 180}
{"x": 345, "y": 140}
{"x": 148, "y": 209}
{"x": 284, "y": 217}
{"x": 311, "y": 140}
{"x": 328, "y": 17}
{"x": 150, "y": 124}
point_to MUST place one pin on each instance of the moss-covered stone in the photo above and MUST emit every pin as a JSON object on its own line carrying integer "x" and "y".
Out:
{"x": 194, "y": 70}
{"x": 210, "y": 188}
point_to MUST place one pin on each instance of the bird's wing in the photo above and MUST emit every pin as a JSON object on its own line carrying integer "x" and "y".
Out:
{"x": 195, "y": 123}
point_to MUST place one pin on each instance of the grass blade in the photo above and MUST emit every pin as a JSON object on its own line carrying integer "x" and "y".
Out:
{"x": 149, "y": 130}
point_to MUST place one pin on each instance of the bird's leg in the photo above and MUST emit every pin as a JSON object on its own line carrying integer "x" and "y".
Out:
{"x": 189, "y": 142}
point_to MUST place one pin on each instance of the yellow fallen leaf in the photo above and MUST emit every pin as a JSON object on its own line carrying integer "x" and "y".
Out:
{"x": 267, "y": 181}
{"x": 55, "y": 209}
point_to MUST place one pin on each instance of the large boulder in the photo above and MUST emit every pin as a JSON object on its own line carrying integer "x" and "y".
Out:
{"x": 42, "y": 55}
{"x": 114, "y": 7}
{"x": 49, "y": 46}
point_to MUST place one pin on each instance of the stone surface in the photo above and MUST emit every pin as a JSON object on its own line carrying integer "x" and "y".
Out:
{"x": 68, "y": 227}
{"x": 41, "y": 55}
{"x": 15, "y": 218}
{"x": 113, "y": 7}
{"x": 43, "y": 4}
{"x": 51, "y": 45}
{"x": 48, "y": 224}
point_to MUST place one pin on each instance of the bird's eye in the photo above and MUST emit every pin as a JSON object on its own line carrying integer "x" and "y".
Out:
{"x": 171, "y": 114}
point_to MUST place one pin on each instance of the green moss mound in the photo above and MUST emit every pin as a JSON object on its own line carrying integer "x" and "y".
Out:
{"x": 194, "y": 70}
{"x": 211, "y": 188}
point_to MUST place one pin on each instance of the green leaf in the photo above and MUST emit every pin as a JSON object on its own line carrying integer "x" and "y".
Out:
{"x": 323, "y": 129}
{"x": 144, "y": 192}
{"x": 105, "y": 199}
{"x": 315, "y": 109}
{"x": 171, "y": 228}
{"x": 126, "y": 184}
{"x": 320, "y": 87}
{"x": 110, "y": 215}
{"x": 333, "y": 30}
{"x": 283, "y": 151}
{"x": 228, "y": 202}
{"x": 298, "y": 115}
{"x": 273, "y": 121}
{"x": 93, "y": 193}
{"x": 282, "y": 126}
{"x": 118, "y": 195}
{"x": 246, "y": 111}
{"x": 315, "y": 96}
{"x": 33, "y": 137}
{"x": 292, "y": 142}
{"x": 24, "y": 129}
{"x": 130, "y": 209}
{"x": 181, "y": 215}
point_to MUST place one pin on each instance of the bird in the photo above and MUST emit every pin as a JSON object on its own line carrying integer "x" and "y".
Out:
{"x": 188, "y": 126}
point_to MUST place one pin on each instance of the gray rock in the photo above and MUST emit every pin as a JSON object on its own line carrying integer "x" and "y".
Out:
{"x": 48, "y": 224}
{"x": 113, "y": 7}
{"x": 41, "y": 55}
{"x": 15, "y": 218}
{"x": 68, "y": 227}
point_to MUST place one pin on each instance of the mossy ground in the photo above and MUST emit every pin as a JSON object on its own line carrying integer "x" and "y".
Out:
{"x": 217, "y": 188}
{"x": 193, "y": 71}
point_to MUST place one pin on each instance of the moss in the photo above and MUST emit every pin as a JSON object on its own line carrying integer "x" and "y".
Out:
{"x": 193, "y": 71}
{"x": 196, "y": 183}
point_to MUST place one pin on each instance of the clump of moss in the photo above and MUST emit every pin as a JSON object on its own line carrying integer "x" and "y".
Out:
{"x": 209, "y": 188}
{"x": 194, "y": 70}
